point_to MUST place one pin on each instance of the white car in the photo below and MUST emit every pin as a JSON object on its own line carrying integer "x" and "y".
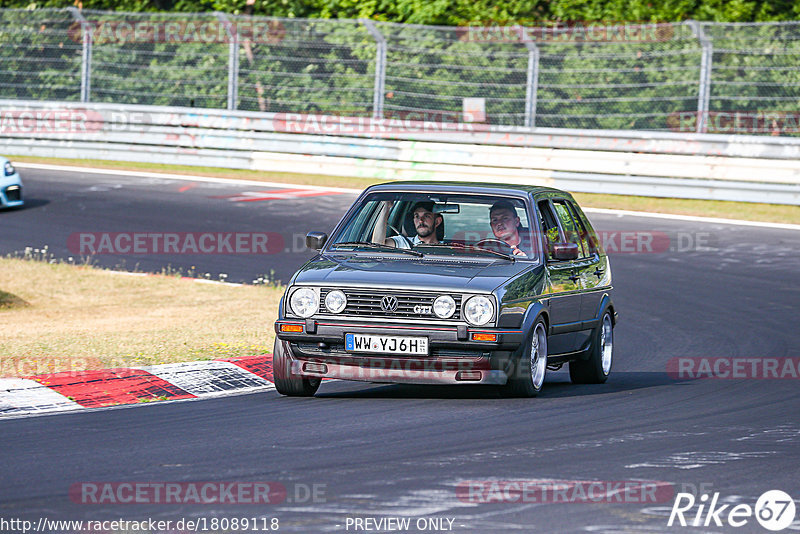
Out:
{"x": 10, "y": 185}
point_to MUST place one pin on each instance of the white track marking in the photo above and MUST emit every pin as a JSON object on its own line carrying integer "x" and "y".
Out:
{"x": 19, "y": 396}
{"x": 206, "y": 378}
{"x": 692, "y": 218}
{"x": 185, "y": 177}
{"x": 207, "y": 179}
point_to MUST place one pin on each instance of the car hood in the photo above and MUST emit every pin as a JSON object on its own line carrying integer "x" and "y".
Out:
{"x": 359, "y": 270}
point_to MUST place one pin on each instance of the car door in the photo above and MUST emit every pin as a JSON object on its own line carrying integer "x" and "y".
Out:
{"x": 597, "y": 277}
{"x": 564, "y": 285}
{"x": 586, "y": 266}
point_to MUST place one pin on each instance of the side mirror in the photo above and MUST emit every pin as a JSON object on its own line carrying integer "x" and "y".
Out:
{"x": 565, "y": 251}
{"x": 316, "y": 240}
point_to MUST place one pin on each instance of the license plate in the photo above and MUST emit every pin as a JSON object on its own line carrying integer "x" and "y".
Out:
{"x": 386, "y": 344}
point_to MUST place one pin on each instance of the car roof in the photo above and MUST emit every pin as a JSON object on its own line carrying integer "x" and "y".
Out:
{"x": 416, "y": 186}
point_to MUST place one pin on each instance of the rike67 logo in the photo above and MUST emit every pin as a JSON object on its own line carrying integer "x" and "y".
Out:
{"x": 774, "y": 510}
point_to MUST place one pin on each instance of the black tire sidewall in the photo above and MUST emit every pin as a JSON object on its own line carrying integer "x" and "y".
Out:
{"x": 285, "y": 383}
{"x": 521, "y": 383}
{"x": 590, "y": 371}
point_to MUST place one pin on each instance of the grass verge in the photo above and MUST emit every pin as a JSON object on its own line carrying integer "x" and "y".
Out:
{"x": 80, "y": 317}
{"x": 9, "y": 301}
{"x": 706, "y": 208}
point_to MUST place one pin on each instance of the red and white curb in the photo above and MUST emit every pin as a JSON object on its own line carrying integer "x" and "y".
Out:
{"x": 76, "y": 390}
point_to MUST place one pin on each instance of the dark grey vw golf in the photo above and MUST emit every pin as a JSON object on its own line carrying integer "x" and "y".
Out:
{"x": 449, "y": 283}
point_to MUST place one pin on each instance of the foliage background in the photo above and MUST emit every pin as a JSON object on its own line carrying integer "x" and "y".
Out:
{"x": 451, "y": 12}
{"x": 321, "y": 65}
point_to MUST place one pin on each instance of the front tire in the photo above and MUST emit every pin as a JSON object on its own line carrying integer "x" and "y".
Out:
{"x": 285, "y": 382}
{"x": 531, "y": 367}
{"x": 596, "y": 369}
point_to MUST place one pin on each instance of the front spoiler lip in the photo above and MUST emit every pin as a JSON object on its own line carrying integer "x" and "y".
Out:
{"x": 399, "y": 376}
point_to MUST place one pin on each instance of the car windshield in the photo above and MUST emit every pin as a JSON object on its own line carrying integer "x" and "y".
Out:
{"x": 439, "y": 224}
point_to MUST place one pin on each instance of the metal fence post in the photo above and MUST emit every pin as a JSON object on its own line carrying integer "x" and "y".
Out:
{"x": 233, "y": 59}
{"x": 86, "y": 54}
{"x": 532, "y": 78}
{"x": 380, "y": 68}
{"x": 704, "y": 91}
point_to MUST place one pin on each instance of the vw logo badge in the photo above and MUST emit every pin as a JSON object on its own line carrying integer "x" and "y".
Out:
{"x": 389, "y": 303}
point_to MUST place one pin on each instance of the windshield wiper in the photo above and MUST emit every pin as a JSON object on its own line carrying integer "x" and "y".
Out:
{"x": 470, "y": 248}
{"x": 377, "y": 246}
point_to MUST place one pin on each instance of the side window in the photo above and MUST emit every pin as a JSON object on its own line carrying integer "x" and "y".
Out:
{"x": 571, "y": 230}
{"x": 548, "y": 227}
{"x": 588, "y": 238}
{"x": 397, "y": 219}
{"x": 365, "y": 218}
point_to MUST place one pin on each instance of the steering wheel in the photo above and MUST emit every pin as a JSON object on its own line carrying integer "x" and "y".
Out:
{"x": 492, "y": 242}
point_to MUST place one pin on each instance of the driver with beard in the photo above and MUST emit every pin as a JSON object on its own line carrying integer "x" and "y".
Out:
{"x": 426, "y": 223}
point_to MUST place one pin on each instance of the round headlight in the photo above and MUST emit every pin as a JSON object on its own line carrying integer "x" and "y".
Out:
{"x": 9, "y": 168}
{"x": 478, "y": 310}
{"x": 444, "y": 306}
{"x": 304, "y": 302}
{"x": 335, "y": 301}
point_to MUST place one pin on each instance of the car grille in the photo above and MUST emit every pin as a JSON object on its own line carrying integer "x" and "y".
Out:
{"x": 13, "y": 193}
{"x": 367, "y": 303}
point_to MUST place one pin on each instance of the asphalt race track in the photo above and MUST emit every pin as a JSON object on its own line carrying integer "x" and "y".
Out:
{"x": 63, "y": 204}
{"x": 381, "y": 451}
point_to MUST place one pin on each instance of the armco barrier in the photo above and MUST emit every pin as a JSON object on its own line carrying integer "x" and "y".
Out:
{"x": 743, "y": 168}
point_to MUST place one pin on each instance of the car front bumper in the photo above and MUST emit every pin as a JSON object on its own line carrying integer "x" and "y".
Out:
{"x": 456, "y": 355}
{"x": 10, "y": 190}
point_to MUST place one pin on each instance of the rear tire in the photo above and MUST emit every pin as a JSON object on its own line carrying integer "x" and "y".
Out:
{"x": 285, "y": 382}
{"x": 531, "y": 367}
{"x": 596, "y": 369}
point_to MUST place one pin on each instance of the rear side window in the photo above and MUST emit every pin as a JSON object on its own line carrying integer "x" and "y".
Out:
{"x": 561, "y": 223}
{"x": 588, "y": 234}
{"x": 586, "y": 241}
